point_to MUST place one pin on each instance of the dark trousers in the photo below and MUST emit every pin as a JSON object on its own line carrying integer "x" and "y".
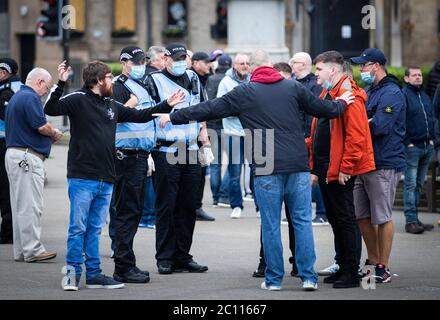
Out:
{"x": 291, "y": 238}
{"x": 339, "y": 205}
{"x": 201, "y": 188}
{"x": 5, "y": 202}
{"x": 176, "y": 187}
{"x": 131, "y": 175}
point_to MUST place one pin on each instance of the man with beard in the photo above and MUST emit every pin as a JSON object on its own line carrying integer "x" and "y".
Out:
{"x": 91, "y": 164}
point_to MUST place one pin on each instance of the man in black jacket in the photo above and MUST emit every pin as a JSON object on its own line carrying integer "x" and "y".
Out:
{"x": 91, "y": 164}
{"x": 9, "y": 84}
{"x": 269, "y": 107}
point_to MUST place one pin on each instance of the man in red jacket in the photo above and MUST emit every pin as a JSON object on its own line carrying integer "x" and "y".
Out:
{"x": 341, "y": 149}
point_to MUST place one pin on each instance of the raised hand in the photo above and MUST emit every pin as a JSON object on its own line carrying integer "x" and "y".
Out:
{"x": 164, "y": 119}
{"x": 176, "y": 98}
{"x": 64, "y": 71}
{"x": 347, "y": 97}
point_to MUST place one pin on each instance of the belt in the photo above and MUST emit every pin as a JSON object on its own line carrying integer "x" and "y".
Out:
{"x": 164, "y": 143}
{"x": 30, "y": 151}
{"x": 134, "y": 151}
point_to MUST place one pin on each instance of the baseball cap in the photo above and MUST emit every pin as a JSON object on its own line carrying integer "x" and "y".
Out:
{"x": 8, "y": 64}
{"x": 201, "y": 56}
{"x": 225, "y": 60}
{"x": 132, "y": 53}
{"x": 370, "y": 55}
{"x": 175, "y": 50}
{"x": 215, "y": 54}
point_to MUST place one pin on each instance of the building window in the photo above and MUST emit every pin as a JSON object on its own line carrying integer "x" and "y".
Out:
{"x": 220, "y": 29}
{"x": 80, "y": 17}
{"x": 177, "y": 19}
{"x": 124, "y": 20}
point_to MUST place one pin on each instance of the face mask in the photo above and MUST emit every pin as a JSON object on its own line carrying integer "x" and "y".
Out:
{"x": 367, "y": 78}
{"x": 179, "y": 68}
{"x": 328, "y": 84}
{"x": 137, "y": 72}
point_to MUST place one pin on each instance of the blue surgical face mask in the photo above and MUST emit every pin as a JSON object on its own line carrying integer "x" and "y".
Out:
{"x": 327, "y": 85}
{"x": 367, "y": 78}
{"x": 137, "y": 72}
{"x": 179, "y": 68}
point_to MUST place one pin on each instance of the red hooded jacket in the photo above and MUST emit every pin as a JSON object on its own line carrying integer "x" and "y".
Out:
{"x": 351, "y": 148}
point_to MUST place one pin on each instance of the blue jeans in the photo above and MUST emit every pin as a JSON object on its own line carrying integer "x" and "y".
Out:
{"x": 417, "y": 165}
{"x": 89, "y": 206}
{"x": 320, "y": 208}
{"x": 295, "y": 189}
{"x": 149, "y": 210}
{"x": 219, "y": 186}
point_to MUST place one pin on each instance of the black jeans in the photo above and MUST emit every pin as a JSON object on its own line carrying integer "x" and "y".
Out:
{"x": 5, "y": 202}
{"x": 176, "y": 187}
{"x": 201, "y": 188}
{"x": 131, "y": 174}
{"x": 339, "y": 205}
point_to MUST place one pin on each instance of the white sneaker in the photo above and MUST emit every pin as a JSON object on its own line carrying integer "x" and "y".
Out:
{"x": 270, "y": 288}
{"x": 329, "y": 270}
{"x": 310, "y": 286}
{"x": 236, "y": 213}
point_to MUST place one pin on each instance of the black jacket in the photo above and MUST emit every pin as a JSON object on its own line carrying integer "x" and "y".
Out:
{"x": 211, "y": 90}
{"x": 419, "y": 117}
{"x": 433, "y": 79}
{"x": 310, "y": 82}
{"x": 268, "y": 106}
{"x": 93, "y": 121}
{"x": 6, "y": 94}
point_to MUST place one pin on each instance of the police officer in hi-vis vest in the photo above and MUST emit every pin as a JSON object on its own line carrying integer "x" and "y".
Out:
{"x": 134, "y": 142}
{"x": 9, "y": 84}
{"x": 178, "y": 172}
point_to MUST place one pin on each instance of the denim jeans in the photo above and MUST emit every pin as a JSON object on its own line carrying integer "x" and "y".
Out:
{"x": 417, "y": 165}
{"x": 320, "y": 208}
{"x": 89, "y": 206}
{"x": 219, "y": 186}
{"x": 295, "y": 189}
{"x": 149, "y": 210}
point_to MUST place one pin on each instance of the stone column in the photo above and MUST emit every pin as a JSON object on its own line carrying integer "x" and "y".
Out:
{"x": 99, "y": 28}
{"x": 396, "y": 34}
{"x": 254, "y": 24}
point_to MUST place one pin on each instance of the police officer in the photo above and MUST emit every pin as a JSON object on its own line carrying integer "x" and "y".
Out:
{"x": 134, "y": 142}
{"x": 9, "y": 84}
{"x": 177, "y": 169}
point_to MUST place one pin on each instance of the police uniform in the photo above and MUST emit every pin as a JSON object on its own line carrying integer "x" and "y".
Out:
{"x": 8, "y": 88}
{"x": 177, "y": 175}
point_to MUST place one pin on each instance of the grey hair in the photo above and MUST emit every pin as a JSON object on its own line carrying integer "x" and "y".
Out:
{"x": 154, "y": 52}
{"x": 37, "y": 74}
{"x": 260, "y": 58}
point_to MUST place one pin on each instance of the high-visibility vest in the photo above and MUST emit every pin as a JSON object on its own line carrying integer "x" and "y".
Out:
{"x": 136, "y": 135}
{"x": 15, "y": 87}
{"x": 186, "y": 133}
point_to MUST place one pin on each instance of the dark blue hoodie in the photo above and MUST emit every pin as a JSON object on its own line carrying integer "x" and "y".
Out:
{"x": 419, "y": 117}
{"x": 386, "y": 110}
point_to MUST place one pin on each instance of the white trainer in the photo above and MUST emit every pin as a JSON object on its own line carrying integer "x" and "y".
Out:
{"x": 236, "y": 213}
{"x": 270, "y": 288}
{"x": 310, "y": 286}
{"x": 329, "y": 270}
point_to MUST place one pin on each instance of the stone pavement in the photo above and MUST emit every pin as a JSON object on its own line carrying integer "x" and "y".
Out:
{"x": 229, "y": 247}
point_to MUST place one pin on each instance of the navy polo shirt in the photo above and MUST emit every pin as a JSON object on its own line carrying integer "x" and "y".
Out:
{"x": 24, "y": 115}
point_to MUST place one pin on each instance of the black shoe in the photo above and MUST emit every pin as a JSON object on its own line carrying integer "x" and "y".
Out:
{"x": 165, "y": 268}
{"x": 191, "y": 266}
{"x": 131, "y": 276}
{"x": 261, "y": 270}
{"x": 333, "y": 278}
{"x": 201, "y": 215}
{"x": 414, "y": 228}
{"x": 136, "y": 269}
{"x": 427, "y": 226}
{"x": 346, "y": 281}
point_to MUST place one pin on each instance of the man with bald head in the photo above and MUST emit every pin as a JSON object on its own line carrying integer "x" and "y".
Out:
{"x": 29, "y": 138}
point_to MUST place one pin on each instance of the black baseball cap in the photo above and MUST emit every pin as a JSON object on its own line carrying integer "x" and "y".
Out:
{"x": 132, "y": 53}
{"x": 201, "y": 56}
{"x": 8, "y": 64}
{"x": 370, "y": 55}
{"x": 175, "y": 50}
{"x": 225, "y": 60}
